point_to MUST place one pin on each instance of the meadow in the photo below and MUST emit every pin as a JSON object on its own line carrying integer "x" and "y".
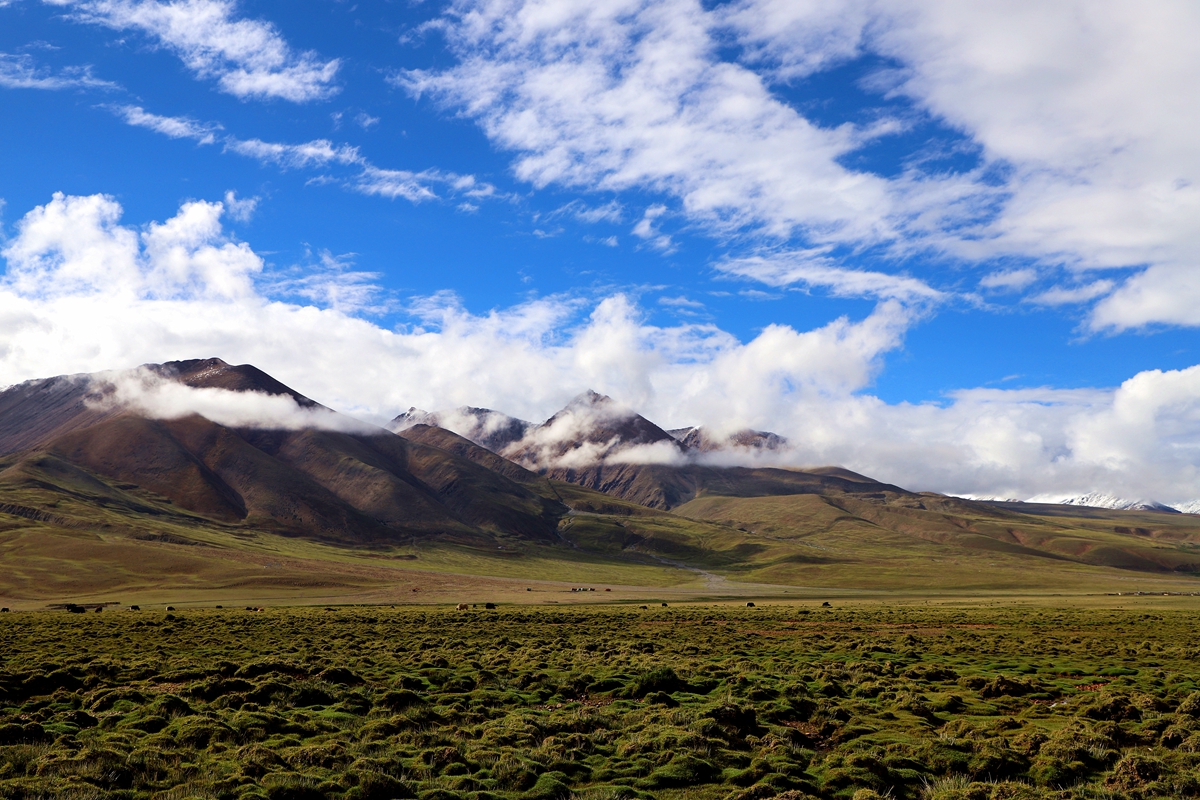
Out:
{"x": 604, "y": 702}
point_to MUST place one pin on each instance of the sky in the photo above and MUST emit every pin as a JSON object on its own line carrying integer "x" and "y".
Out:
{"x": 950, "y": 245}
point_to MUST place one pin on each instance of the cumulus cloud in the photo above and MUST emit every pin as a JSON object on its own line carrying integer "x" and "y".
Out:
{"x": 1081, "y": 113}
{"x": 158, "y": 397}
{"x": 83, "y": 291}
{"x": 20, "y": 71}
{"x": 247, "y": 58}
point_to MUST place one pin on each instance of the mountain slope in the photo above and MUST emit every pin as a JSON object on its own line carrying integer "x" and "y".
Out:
{"x": 364, "y": 487}
{"x": 665, "y": 487}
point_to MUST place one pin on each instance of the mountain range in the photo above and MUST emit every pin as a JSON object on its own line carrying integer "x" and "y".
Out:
{"x": 137, "y": 473}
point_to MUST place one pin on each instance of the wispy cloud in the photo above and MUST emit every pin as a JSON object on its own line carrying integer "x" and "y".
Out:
{"x": 364, "y": 177}
{"x": 332, "y": 282}
{"x": 1009, "y": 279}
{"x": 1084, "y": 171}
{"x": 20, "y": 71}
{"x": 648, "y": 231}
{"x": 175, "y": 127}
{"x": 1067, "y": 295}
{"x": 816, "y": 269}
{"x": 247, "y": 58}
{"x": 317, "y": 153}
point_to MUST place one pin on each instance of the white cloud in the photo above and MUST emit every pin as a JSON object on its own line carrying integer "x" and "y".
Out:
{"x": 21, "y": 72}
{"x": 366, "y": 121}
{"x": 175, "y": 127}
{"x": 612, "y": 211}
{"x": 366, "y": 178}
{"x": 317, "y": 153}
{"x": 1067, "y": 295}
{"x": 83, "y": 292}
{"x": 628, "y": 94}
{"x": 647, "y": 229}
{"x": 1082, "y": 112}
{"x": 815, "y": 268}
{"x": 680, "y": 302}
{"x": 247, "y": 58}
{"x": 240, "y": 209}
{"x": 157, "y": 397}
{"x": 333, "y": 283}
{"x": 393, "y": 183}
{"x": 74, "y": 248}
{"x": 1164, "y": 293}
{"x": 1009, "y": 279}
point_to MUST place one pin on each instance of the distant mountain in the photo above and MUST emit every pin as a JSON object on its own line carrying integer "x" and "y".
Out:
{"x": 353, "y": 483}
{"x": 1101, "y": 500}
{"x": 592, "y": 429}
{"x": 486, "y": 428}
{"x": 702, "y": 440}
{"x": 598, "y": 443}
{"x": 1190, "y": 507}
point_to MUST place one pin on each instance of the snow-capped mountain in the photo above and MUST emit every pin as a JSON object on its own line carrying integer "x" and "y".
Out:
{"x": 1190, "y": 507}
{"x": 989, "y": 498}
{"x": 1102, "y": 500}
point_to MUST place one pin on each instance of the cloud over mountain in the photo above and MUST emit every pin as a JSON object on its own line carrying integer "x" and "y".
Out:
{"x": 85, "y": 291}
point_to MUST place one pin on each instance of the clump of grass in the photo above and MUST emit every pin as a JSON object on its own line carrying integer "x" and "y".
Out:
{"x": 714, "y": 703}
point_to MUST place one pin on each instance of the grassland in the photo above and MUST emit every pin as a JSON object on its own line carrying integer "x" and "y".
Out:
{"x": 605, "y": 703}
{"x": 110, "y": 543}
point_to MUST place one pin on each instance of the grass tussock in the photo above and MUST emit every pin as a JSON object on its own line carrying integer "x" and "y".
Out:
{"x": 614, "y": 703}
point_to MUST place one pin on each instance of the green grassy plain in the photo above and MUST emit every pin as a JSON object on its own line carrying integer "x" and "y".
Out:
{"x": 100, "y": 542}
{"x": 901, "y": 699}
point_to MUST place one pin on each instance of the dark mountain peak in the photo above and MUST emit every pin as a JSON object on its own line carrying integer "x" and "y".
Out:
{"x": 213, "y": 373}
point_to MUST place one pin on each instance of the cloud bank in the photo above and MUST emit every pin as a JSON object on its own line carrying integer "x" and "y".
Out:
{"x": 82, "y": 291}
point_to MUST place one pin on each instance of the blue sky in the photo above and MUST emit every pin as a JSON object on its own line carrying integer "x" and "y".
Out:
{"x": 760, "y": 212}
